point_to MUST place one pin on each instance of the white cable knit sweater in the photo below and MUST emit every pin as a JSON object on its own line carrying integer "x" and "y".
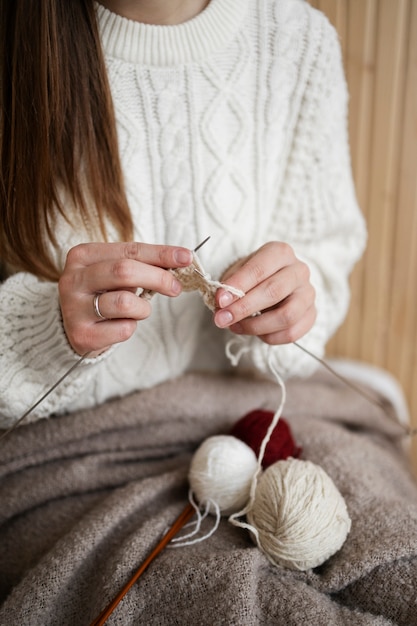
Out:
{"x": 231, "y": 125}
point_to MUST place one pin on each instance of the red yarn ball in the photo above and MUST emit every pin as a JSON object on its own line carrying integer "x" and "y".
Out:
{"x": 252, "y": 428}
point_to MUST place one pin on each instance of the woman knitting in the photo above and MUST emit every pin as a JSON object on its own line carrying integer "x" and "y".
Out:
{"x": 131, "y": 131}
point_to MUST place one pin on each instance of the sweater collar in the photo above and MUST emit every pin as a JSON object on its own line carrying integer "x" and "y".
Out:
{"x": 165, "y": 46}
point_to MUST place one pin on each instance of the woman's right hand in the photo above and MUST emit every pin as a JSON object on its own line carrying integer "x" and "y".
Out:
{"x": 115, "y": 271}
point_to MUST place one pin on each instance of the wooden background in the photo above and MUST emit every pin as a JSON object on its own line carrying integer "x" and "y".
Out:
{"x": 379, "y": 42}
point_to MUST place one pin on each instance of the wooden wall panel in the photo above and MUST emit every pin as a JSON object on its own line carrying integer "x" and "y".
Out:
{"x": 379, "y": 43}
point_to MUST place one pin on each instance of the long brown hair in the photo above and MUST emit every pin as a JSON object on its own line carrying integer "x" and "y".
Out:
{"x": 57, "y": 130}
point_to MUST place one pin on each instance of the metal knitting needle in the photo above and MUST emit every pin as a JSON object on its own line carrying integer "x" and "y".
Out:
{"x": 197, "y": 271}
{"x": 45, "y": 395}
{"x": 347, "y": 382}
{"x": 410, "y": 432}
{"x": 200, "y": 245}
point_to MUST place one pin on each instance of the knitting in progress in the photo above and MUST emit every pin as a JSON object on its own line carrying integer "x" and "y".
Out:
{"x": 215, "y": 137}
{"x": 194, "y": 278}
{"x": 123, "y": 377}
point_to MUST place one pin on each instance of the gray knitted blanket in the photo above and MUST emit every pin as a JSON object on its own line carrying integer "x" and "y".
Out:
{"x": 85, "y": 497}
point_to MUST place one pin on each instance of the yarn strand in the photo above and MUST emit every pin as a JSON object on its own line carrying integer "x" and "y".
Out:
{"x": 234, "y": 518}
{"x": 178, "y": 541}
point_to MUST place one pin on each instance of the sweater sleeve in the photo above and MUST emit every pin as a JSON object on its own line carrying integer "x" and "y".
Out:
{"x": 326, "y": 227}
{"x": 34, "y": 351}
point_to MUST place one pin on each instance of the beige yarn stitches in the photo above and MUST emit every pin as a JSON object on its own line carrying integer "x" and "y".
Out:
{"x": 194, "y": 278}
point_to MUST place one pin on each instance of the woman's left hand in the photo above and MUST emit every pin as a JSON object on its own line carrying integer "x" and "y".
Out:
{"x": 279, "y": 302}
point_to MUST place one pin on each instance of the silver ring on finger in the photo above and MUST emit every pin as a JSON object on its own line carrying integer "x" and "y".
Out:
{"x": 96, "y": 307}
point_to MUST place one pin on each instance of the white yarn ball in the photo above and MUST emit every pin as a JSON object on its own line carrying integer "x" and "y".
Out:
{"x": 299, "y": 513}
{"x": 221, "y": 471}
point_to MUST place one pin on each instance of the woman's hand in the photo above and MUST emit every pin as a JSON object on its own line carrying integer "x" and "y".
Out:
{"x": 277, "y": 285}
{"x": 115, "y": 271}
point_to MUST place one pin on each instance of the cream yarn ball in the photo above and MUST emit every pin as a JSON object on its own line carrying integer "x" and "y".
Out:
{"x": 221, "y": 472}
{"x": 299, "y": 514}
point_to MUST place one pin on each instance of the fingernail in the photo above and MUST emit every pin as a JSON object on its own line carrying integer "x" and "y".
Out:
{"x": 176, "y": 287}
{"x": 225, "y": 299}
{"x": 182, "y": 257}
{"x": 223, "y": 318}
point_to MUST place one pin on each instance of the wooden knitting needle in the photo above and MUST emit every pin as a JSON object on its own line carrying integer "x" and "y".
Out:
{"x": 183, "y": 518}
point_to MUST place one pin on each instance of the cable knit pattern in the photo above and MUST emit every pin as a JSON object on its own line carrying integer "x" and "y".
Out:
{"x": 231, "y": 125}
